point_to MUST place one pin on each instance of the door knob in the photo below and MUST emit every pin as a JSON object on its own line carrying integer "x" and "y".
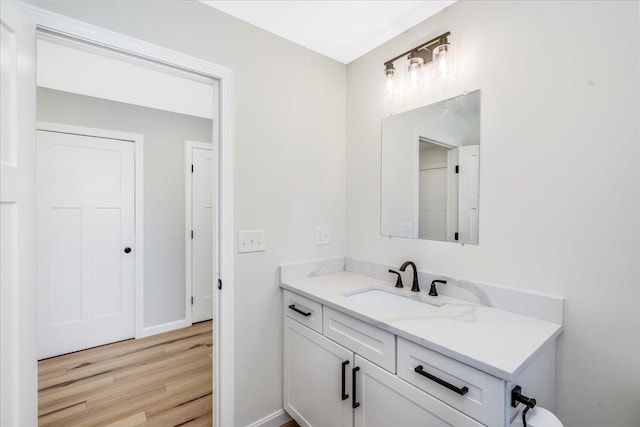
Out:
{"x": 127, "y": 250}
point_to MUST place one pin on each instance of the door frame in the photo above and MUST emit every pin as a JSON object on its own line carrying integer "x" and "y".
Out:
{"x": 138, "y": 205}
{"x": 224, "y": 349}
{"x": 188, "y": 219}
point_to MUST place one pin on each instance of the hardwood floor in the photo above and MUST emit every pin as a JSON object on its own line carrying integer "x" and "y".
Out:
{"x": 163, "y": 380}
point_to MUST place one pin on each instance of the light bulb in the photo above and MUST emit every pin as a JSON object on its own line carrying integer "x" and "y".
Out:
{"x": 413, "y": 67}
{"x": 413, "y": 75}
{"x": 441, "y": 60}
{"x": 389, "y": 86}
{"x": 389, "y": 77}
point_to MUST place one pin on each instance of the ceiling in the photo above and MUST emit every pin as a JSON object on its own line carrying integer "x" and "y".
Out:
{"x": 342, "y": 30}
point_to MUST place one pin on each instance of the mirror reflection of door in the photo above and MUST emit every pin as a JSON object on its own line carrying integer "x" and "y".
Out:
{"x": 437, "y": 190}
{"x": 432, "y": 194}
{"x": 468, "y": 183}
{"x": 448, "y": 192}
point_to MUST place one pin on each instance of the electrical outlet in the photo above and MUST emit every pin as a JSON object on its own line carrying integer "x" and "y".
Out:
{"x": 252, "y": 241}
{"x": 323, "y": 235}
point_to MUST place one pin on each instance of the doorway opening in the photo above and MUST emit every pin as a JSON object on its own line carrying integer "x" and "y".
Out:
{"x": 98, "y": 188}
{"x": 23, "y": 23}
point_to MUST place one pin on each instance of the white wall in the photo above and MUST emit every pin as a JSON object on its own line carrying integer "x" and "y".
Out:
{"x": 103, "y": 74}
{"x": 559, "y": 184}
{"x": 289, "y": 141}
{"x": 164, "y": 200}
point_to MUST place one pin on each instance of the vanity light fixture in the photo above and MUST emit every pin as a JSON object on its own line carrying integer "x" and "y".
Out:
{"x": 436, "y": 50}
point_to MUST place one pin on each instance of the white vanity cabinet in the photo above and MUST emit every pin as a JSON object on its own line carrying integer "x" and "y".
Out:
{"x": 319, "y": 374}
{"x": 318, "y": 388}
{"x": 313, "y": 367}
{"x": 343, "y": 371}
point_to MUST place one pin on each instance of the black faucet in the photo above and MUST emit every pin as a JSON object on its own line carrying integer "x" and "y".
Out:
{"x": 415, "y": 287}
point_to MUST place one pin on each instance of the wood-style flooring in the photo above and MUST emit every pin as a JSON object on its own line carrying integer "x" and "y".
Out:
{"x": 162, "y": 380}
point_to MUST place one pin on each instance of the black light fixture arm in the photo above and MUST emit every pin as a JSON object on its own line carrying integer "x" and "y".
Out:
{"x": 433, "y": 42}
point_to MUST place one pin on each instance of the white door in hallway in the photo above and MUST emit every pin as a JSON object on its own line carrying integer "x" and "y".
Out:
{"x": 86, "y": 257}
{"x": 202, "y": 217}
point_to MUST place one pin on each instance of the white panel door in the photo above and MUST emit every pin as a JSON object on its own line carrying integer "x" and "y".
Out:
{"x": 386, "y": 400}
{"x": 86, "y": 257}
{"x": 433, "y": 204}
{"x": 468, "y": 188}
{"x": 18, "y": 381}
{"x": 313, "y": 369}
{"x": 202, "y": 253}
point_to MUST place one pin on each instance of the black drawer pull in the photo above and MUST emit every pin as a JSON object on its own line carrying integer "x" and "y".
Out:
{"x": 353, "y": 387}
{"x": 345, "y": 396}
{"x": 461, "y": 391}
{"x": 293, "y": 307}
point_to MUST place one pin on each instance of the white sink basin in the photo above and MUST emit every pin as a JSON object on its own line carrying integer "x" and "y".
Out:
{"x": 395, "y": 305}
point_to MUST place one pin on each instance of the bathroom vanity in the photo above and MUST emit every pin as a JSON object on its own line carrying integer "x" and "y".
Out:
{"x": 358, "y": 351}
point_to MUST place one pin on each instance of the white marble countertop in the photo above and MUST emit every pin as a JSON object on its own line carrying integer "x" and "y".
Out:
{"x": 495, "y": 341}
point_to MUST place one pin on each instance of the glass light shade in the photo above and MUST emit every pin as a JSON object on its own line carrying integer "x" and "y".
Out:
{"x": 413, "y": 71}
{"x": 389, "y": 82}
{"x": 442, "y": 60}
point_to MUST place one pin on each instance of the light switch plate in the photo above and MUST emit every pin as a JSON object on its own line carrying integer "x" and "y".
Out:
{"x": 252, "y": 241}
{"x": 323, "y": 235}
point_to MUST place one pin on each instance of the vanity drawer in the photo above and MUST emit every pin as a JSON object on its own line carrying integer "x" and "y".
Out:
{"x": 304, "y": 310}
{"x": 484, "y": 395}
{"x": 372, "y": 343}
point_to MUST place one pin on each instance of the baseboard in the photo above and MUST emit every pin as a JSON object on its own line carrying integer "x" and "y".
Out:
{"x": 275, "y": 419}
{"x": 164, "y": 327}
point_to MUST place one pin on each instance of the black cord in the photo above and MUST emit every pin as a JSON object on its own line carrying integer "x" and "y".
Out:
{"x": 524, "y": 415}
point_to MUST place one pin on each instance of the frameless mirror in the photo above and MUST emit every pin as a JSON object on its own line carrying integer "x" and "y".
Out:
{"x": 430, "y": 171}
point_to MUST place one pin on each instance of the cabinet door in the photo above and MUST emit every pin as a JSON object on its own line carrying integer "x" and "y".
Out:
{"x": 313, "y": 368}
{"x": 386, "y": 401}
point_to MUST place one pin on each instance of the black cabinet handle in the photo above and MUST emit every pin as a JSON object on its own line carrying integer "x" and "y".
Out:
{"x": 293, "y": 307}
{"x": 127, "y": 250}
{"x": 461, "y": 391}
{"x": 344, "y": 374}
{"x": 353, "y": 386}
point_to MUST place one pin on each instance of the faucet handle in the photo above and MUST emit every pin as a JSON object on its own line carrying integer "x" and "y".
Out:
{"x": 398, "y": 280}
{"x": 434, "y": 291}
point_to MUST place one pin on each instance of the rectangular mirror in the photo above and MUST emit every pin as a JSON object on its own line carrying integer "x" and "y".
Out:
{"x": 430, "y": 171}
